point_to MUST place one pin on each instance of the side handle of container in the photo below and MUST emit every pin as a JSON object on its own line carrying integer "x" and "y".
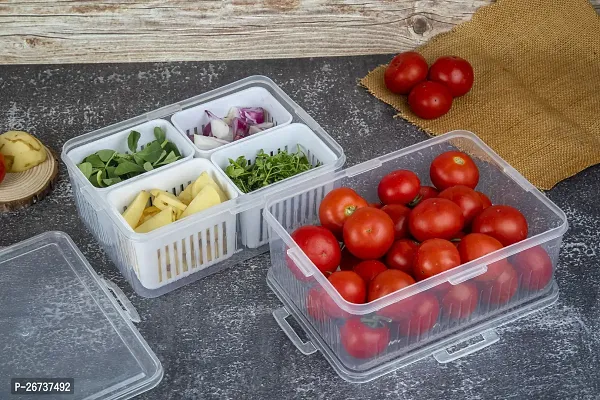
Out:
{"x": 489, "y": 337}
{"x": 280, "y": 315}
{"x": 123, "y": 301}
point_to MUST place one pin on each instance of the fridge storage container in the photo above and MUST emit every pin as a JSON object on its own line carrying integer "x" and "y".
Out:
{"x": 128, "y": 251}
{"x": 289, "y": 138}
{"x": 423, "y": 323}
{"x": 192, "y": 120}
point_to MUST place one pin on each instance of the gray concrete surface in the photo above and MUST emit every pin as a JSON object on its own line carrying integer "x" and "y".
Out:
{"x": 216, "y": 338}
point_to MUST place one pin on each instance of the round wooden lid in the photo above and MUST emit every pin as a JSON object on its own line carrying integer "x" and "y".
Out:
{"x": 23, "y": 189}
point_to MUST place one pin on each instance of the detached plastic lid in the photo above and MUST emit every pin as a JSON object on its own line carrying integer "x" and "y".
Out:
{"x": 59, "y": 320}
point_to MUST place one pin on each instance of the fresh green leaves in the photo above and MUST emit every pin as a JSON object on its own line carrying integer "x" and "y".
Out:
{"x": 266, "y": 169}
{"x": 107, "y": 167}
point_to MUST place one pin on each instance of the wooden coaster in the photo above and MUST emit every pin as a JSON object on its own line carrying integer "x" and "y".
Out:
{"x": 24, "y": 189}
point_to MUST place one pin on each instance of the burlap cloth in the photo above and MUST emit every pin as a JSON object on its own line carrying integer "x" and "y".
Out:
{"x": 536, "y": 96}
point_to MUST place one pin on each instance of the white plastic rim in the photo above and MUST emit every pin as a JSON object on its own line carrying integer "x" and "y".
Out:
{"x": 191, "y": 120}
{"x": 453, "y": 276}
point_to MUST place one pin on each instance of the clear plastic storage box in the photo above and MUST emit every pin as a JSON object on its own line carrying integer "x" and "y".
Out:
{"x": 221, "y": 236}
{"x": 64, "y": 322}
{"x": 434, "y": 331}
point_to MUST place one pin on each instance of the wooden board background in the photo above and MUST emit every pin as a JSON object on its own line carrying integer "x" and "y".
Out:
{"x": 75, "y": 31}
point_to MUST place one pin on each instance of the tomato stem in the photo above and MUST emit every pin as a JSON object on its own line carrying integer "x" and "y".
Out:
{"x": 415, "y": 201}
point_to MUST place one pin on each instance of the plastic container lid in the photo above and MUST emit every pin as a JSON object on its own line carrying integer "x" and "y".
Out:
{"x": 58, "y": 319}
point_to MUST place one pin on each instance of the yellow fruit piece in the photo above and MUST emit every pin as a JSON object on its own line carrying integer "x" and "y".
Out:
{"x": 207, "y": 197}
{"x": 167, "y": 199}
{"x": 205, "y": 180}
{"x": 163, "y": 218}
{"x": 186, "y": 196}
{"x": 136, "y": 208}
{"x": 148, "y": 213}
{"x": 156, "y": 192}
{"x": 21, "y": 151}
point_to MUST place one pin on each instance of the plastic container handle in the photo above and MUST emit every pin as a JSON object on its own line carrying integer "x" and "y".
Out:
{"x": 489, "y": 337}
{"x": 280, "y": 315}
{"x": 128, "y": 308}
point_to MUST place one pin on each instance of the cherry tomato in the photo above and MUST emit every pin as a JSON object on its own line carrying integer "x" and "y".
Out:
{"x": 401, "y": 255}
{"x": 461, "y": 300}
{"x": 430, "y": 100}
{"x": 485, "y": 200}
{"x": 387, "y": 282}
{"x": 426, "y": 192}
{"x": 503, "y": 288}
{"x": 466, "y": 198}
{"x": 454, "y": 72}
{"x": 350, "y": 286}
{"x": 475, "y": 245}
{"x": 416, "y": 315}
{"x": 314, "y": 305}
{"x": 2, "y": 168}
{"x": 457, "y": 238}
{"x": 399, "y": 215}
{"x": 337, "y": 206}
{"x": 376, "y": 205}
{"x": 435, "y": 218}
{"x": 369, "y": 233}
{"x": 405, "y": 71}
{"x": 535, "y": 266}
{"x": 453, "y": 168}
{"x": 433, "y": 257}
{"x": 364, "y": 337}
{"x": 399, "y": 187}
{"x": 320, "y": 246}
{"x": 504, "y": 223}
{"x": 349, "y": 260}
{"x": 369, "y": 269}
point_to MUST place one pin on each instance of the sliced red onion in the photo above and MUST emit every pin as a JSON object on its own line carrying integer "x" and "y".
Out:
{"x": 252, "y": 115}
{"x": 240, "y": 129}
{"x": 260, "y": 127}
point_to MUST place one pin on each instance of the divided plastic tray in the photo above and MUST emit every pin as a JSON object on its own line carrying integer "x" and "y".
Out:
{"x": 221, "y": 236}
{"x": 409, "y": 341}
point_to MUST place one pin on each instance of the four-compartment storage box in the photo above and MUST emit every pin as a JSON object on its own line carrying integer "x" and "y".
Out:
{"x": 420, "y": 323}
{"x": 223, "y": 235}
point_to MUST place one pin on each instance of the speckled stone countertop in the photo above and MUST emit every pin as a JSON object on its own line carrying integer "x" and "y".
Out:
{"x": 216, "y": 338}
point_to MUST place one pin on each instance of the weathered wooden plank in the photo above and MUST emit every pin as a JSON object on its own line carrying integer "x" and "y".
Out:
{"x": 74, "y": 31}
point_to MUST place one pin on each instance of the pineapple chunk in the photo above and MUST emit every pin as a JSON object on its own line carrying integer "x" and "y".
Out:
{"x": 205, "y": 180}
{"x": 186, "y": 196}
{"x": 207, "y": 197}
{"x": 148, "y": 213}
{"x": 165, "y": 217}
{"x": 167, "y": 199}
{"x": 134, "y": 212}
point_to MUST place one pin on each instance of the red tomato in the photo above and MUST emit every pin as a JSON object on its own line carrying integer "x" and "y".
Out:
{"x": 453, "y": 168}
{"x": 2, "y": 168}
{"x": 435, "y": 218}
{"x": 399, "y": 187}
{"x": 399, "y": 215}
{"x": 314, "y": 305}
{"x": 504, "y": 223}
{"x": 376, "y": 205}
{"x": 454, "y": 72}
{"x": 433, "y": 257}
{"x": 430, "y": 100}
{"x": 321, "y": 247}
{"x": 503, "y": 288}
{"x": 337, "y": 206}
{"x": 535, "y": 266}
{"x": 466, "y": 198}
{"x": 461, "y": 300}
{"x": 350, "y": 286}
{"x": 405, "y": 71}
{"x": 401, "y": 255}
{"x": 426, "y": 192}
{"x": 387, "y": 282}
{"x": 457, "y": 238}
{"x": 364, "y": 339}
{"x": 475, "y": 245}
{"x": 369, "y": 269}
{"x": 349, "y": 261}
{"x": 416, "y": 315}
{"x": 485, "y": 200}
{"x": 369, "y": 233}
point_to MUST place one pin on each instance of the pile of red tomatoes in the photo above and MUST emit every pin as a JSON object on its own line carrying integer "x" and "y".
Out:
{"x": 368, "y": 251}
